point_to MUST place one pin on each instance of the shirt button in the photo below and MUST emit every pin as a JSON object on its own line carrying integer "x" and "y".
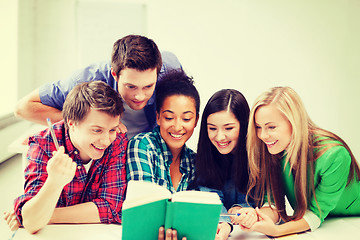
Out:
{"x": 79, "y": 167}
{"x": 76, "y": 152}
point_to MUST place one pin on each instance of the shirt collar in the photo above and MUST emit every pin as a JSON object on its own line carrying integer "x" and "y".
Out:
{"x": 185, "y": 163}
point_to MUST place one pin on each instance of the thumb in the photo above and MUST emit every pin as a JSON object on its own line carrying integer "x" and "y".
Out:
{"x": 260, "y": 214}
{"x": 61, "y": 150}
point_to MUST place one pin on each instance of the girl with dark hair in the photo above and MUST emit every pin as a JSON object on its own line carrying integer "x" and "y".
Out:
{"x": 221, "y": 161}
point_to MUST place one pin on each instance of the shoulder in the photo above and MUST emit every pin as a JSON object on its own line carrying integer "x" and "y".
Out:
{"x": 120, "y": 141}
{"x": 142, "y": 140}
{"x": 170, "y": 62}
{"x": 101, "y": 66}
{"x": 334, "y": 157}
{"x": 169, "y": 57}
{"x": 189, "y": 152}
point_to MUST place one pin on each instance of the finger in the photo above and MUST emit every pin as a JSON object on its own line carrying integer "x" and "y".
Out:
{"x": 14, "y": 225}
{"x": 61, "y": 150}
{"x": 9, "y": 219}
{"x": 161, "y": 233}
{"x": 6, "y": 215}
{"x": 122, "y": 128}
{"x": 57, "y": 155}
{"x": 260, "y": 214}
{"x": 174, "y": 234}
{"x": 168, "y": 234}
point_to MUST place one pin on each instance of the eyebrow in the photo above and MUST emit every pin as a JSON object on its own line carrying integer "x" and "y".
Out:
{"x": 227, "y": 124}
{"x": 265, "y": 123}
{"x": 169, "y": 111}
{"x": 97, "y": 126}
{"x": 131, "y": 84}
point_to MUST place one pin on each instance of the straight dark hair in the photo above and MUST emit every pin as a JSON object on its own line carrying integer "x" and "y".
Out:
{"x": 212, "y": 168}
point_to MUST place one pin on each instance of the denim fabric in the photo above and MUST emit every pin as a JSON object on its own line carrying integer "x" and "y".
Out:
{"x": 229, "y": 197}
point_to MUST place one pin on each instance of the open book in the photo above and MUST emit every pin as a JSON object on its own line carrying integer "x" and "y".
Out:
{"x": 148, "y": 206}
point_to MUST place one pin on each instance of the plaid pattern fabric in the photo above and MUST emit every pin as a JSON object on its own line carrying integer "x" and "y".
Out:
{"x": 104, "y": 184}
{"x": 149, "y": 159}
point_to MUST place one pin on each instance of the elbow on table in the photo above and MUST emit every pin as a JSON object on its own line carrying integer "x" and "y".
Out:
{"x": 31, "y": 228}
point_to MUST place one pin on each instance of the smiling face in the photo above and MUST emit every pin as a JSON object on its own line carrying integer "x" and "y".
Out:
{"x": 273, "y": 128}
{"x": 93, "y": 134}
{"x": 177, "y": 119}
{"x": 223, "y": 131}
{"x": 136, "y": 87}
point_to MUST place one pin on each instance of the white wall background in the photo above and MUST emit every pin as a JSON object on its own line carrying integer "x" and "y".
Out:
{"x": 8, "y": 53}
{"x": 310, "y": 45}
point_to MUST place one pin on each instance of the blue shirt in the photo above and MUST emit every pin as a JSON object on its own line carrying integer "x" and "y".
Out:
{"x": 229, "y": 197}
{"x": 54, "y": 94}
{"x": 149, "y": 159}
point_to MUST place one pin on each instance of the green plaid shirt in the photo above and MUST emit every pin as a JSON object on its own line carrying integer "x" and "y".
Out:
{"x": 149, "y": 159}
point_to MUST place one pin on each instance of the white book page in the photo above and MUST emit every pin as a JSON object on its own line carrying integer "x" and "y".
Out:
{"x": 196, "y": 197}
{"x": 140, "y": 192}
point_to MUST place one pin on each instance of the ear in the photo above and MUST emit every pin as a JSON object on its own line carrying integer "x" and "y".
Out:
{"x": 70, "y": 123}
{"x": 157, "y": 118}
{"x": 196, "y": 121}
{"x": 113, "y": 73}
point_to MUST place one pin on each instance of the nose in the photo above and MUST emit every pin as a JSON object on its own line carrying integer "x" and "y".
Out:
{"x": 106, "y": 139}
{"x": 220, "y": 136}
{"x": 178, "y": 125}
{"x": 263, "y": 135}
{"x": 140, "y": 96}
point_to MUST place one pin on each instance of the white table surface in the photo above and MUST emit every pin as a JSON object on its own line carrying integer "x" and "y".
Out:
{"x": 333, "y": 228}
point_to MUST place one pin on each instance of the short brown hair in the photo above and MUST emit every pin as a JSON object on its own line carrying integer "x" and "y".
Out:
{"x": 95, "y": 94}
{"x": 137, "y": 52}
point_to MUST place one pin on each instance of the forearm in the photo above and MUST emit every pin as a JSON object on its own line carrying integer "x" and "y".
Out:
{"x": 272, "y": 213}
{"x": 80, "y": 213}
{"x": 37, "y": 212}
{"x": 31, "y": 108}
{"x": 292, "y": 227}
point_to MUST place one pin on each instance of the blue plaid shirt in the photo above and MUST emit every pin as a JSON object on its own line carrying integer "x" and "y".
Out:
{"x": 149, "y": 159}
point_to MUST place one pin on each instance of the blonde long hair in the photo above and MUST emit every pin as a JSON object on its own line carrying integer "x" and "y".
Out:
{"x": 265, "y": 170}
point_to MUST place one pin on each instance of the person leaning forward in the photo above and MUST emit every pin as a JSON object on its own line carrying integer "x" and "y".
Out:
{"x": 136, "y": 66}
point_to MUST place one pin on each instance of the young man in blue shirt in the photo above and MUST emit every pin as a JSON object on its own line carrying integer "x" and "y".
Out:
{"x": 136, "y": 66}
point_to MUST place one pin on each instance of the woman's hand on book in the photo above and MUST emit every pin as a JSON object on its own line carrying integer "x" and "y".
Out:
{"x": 171, "y": 234}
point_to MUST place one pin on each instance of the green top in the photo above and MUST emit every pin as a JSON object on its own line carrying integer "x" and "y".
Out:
{"x": 330, "y": 179}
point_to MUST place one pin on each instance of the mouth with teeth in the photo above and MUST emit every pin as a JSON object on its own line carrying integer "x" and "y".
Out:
{"x": 100, "y": 149}
{"x": 176, "y": 136}
{"x": 223, "y": 144}
{"x": 271, "y": 144}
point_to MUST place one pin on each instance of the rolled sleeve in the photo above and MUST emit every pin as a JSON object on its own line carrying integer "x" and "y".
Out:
{"x": 54, "y": 94}
{"x": 138, "y": 165}
{"x": 312, "y": 219}
{"x": 35, "y": 177}
{"x": 112, "y": 190}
